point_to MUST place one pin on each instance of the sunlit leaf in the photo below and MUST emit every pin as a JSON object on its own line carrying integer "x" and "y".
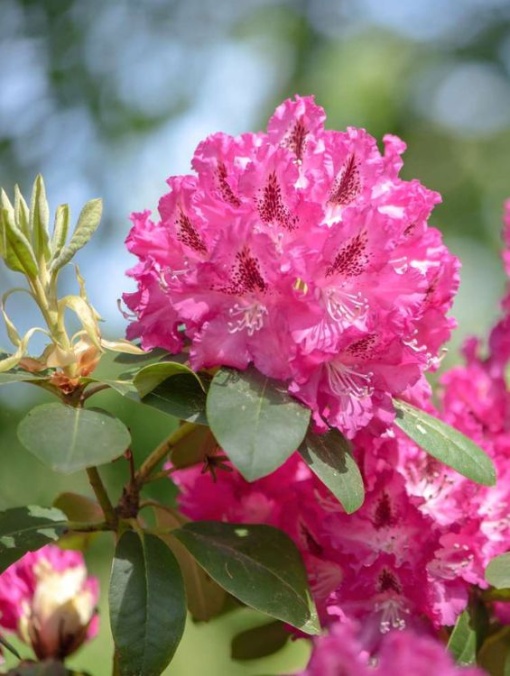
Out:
{"x": 497, "y": 572}
{"x": 68, "y": 439}
{"x": 329, "y": 457}
{"x": 462, "y": 643}
{"x": 25, "y": 529}
{"x": 445, "y": 443}
{"x": 87, "y": 224}
{"x": 257, "y": 423}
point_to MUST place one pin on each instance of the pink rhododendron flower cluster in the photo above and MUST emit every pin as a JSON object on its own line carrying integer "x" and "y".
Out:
{"x": 341, "y": 653}
{"x": 49, "y": 601}
{"x": 299, "y": 250}
{"x": 425, "y": 534}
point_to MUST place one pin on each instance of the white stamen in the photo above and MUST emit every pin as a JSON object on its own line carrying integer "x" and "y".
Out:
{"x": 343, "y": 306}
{"x": 344, "y": 380}
{"x": 250, "y": 317}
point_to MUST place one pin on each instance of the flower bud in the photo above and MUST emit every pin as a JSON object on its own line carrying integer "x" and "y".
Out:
{"x": 49, "y": 600}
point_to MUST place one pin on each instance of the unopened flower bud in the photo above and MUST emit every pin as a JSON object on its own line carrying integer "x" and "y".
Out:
{"x": 49, "y": 600}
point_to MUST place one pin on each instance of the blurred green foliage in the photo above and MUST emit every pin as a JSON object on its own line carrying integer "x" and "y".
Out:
{"x": 110, "y": 98}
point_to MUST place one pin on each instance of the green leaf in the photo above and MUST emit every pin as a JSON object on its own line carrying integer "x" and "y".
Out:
{"x": 256, "y": 422}
{"x": 39, "y": 218}
{"x": 88, "y": 222}
{"x": 20, "y": 377}
{"x": 154, "y": 355}
{"x": 205, "y": 598}
{"x": 60, "y": 229}
{"x": 79, "y": 507}
{"x": 149, "y": 377}
{"x": 257, "y": 564}
{"x": 445, "y": 443}
{"x": 68, "y": 439}
{"x": 258, "y": 642}
{"x": 147, "y": 604}
{"x": 15, "y": 247}
{"x": 462, "y": 642}
{"x": 497, "y": 572}
{"x": 125, "y": 388}
{"x": 181, "y": 396}
{"x": 25, "y": 529}
{"x": 329, "y": 457}
{"x": 9, "y": 647}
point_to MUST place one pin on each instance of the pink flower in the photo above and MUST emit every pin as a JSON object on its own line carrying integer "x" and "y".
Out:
{"x": 49, "y": 601}
{"x": 342, "y": 653}
{"x": 299, "y": 250}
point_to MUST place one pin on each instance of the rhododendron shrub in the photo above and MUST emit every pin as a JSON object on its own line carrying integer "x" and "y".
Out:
{"x": 290, "y": 298}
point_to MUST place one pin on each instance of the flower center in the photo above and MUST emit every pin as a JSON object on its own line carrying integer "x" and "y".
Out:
{"x": 249, "y": 318}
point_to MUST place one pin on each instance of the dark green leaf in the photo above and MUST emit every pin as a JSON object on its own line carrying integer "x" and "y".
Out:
{"x": 205, "y": 598}
{"x": 9, "y": 647}
{"x": 153, "y": 375}
{"x": 445, "y": 443}
{"x": 180, "y": 396}
{"x": 329, "y": 457}
{"x": 258, "y": 564}
{"x": 462, "y": 643}
{"x": 258, "y": 642}
{"x": 497, "y": 572}
{"x": 69, "y": 439}
{"x": 147, "y": 604}
{"x": 25, "y": 529}
{"x": 257, "y": 423}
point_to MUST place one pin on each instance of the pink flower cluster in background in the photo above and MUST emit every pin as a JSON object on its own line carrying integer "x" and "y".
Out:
{"x": 299, "y": 250}
{"x": 404, "y": 652}
{"x": 49, "y": 601}
{"x": 405, "y": 561}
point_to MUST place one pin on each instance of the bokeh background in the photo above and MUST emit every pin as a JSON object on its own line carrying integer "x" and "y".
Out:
{"x": 109, "y": 98}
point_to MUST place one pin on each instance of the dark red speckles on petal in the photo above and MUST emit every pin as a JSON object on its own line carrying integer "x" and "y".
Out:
{"x": 271, "y": 207}
{"x": 226, "y": 191}
{"x": 388, "y": 582}
{"x": 347, "y": 185}
{"x": 187, "y": 234}
{"x": 246, "y": 276}
{"x": 364, "y": 347}
{"x": 352, "y": 259}
{"x": 383, "y": 516}
{"x": 295, "y": 139}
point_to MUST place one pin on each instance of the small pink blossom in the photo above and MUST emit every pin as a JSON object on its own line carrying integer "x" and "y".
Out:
{"x": 48, "y": 599}
{"x": 299, "y": 250}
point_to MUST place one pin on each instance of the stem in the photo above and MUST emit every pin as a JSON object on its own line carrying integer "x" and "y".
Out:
{"x": 86, "y": 527}
{"x": 94, "y": 390}
{"x": 161, "y": 451}
{"x": 102, "y": 497}
{"x": 164, "y": 474}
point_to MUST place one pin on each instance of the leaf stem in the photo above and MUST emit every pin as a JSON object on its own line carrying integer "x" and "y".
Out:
{"x": 102, "y": 497}
{"x": 161, "y": 451}
{"x": 94, "y": 390}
